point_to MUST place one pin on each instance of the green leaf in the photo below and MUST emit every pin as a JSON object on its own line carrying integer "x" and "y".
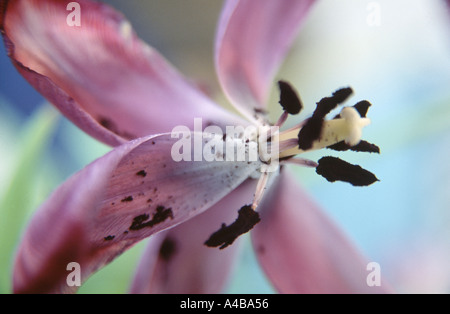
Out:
{"x": 17, "y": 200}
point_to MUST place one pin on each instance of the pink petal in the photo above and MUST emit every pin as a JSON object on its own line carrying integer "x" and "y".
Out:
{"x": 178, "y": 261}
{"x": 100, "y": 75}
{"x": 302, "y": 251}
{"x": 252, "y": 40}
{"x": 129, "y": 194}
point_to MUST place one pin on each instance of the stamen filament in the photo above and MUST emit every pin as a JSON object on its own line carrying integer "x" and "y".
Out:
{"x": 282, "y": 119}
{"x": 301, "y": 162}
{"x": 288, "y": 144}
{"x": 260, "y": 189}
{"x": 296, "y": 127}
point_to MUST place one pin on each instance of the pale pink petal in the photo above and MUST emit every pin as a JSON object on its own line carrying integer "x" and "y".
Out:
{"x": 302, "y": 251}
{"x": 252, "y": 40}
{"x": 129, "y": 194}
{"x": 100, "y": 75}
{"x": 179, "y": 262}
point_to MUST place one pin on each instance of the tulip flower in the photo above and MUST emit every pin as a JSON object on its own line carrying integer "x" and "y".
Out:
{"x": 85, "y": 58}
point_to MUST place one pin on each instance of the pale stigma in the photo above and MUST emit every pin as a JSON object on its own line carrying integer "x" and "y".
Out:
{"x": 347, "y": 127}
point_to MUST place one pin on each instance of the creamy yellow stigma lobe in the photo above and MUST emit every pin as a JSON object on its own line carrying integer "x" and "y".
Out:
{"x": 348, "y": 127}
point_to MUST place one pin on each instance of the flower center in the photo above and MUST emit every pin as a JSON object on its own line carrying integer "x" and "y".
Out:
{"x": 343, "y": 132}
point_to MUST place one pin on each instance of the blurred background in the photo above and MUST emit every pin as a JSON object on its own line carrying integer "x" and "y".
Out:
{"x": 395, "y": 54}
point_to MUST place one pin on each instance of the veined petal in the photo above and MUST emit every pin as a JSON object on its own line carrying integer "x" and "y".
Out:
{"x": 131, "y": 193}
{"x": 252, "y": 40}
{"x": 99, "y": 74}
{"x": 302, "y": 251}
{"x": 177, "y": 261}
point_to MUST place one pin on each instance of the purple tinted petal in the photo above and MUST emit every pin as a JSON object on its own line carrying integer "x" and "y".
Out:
{"x": 178, "y": 261}
{"x": 99, "y": 74}
{"x": 302, "y": 251}
{"x": 129, "y": 194}
{"x": 252, "y": 40}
